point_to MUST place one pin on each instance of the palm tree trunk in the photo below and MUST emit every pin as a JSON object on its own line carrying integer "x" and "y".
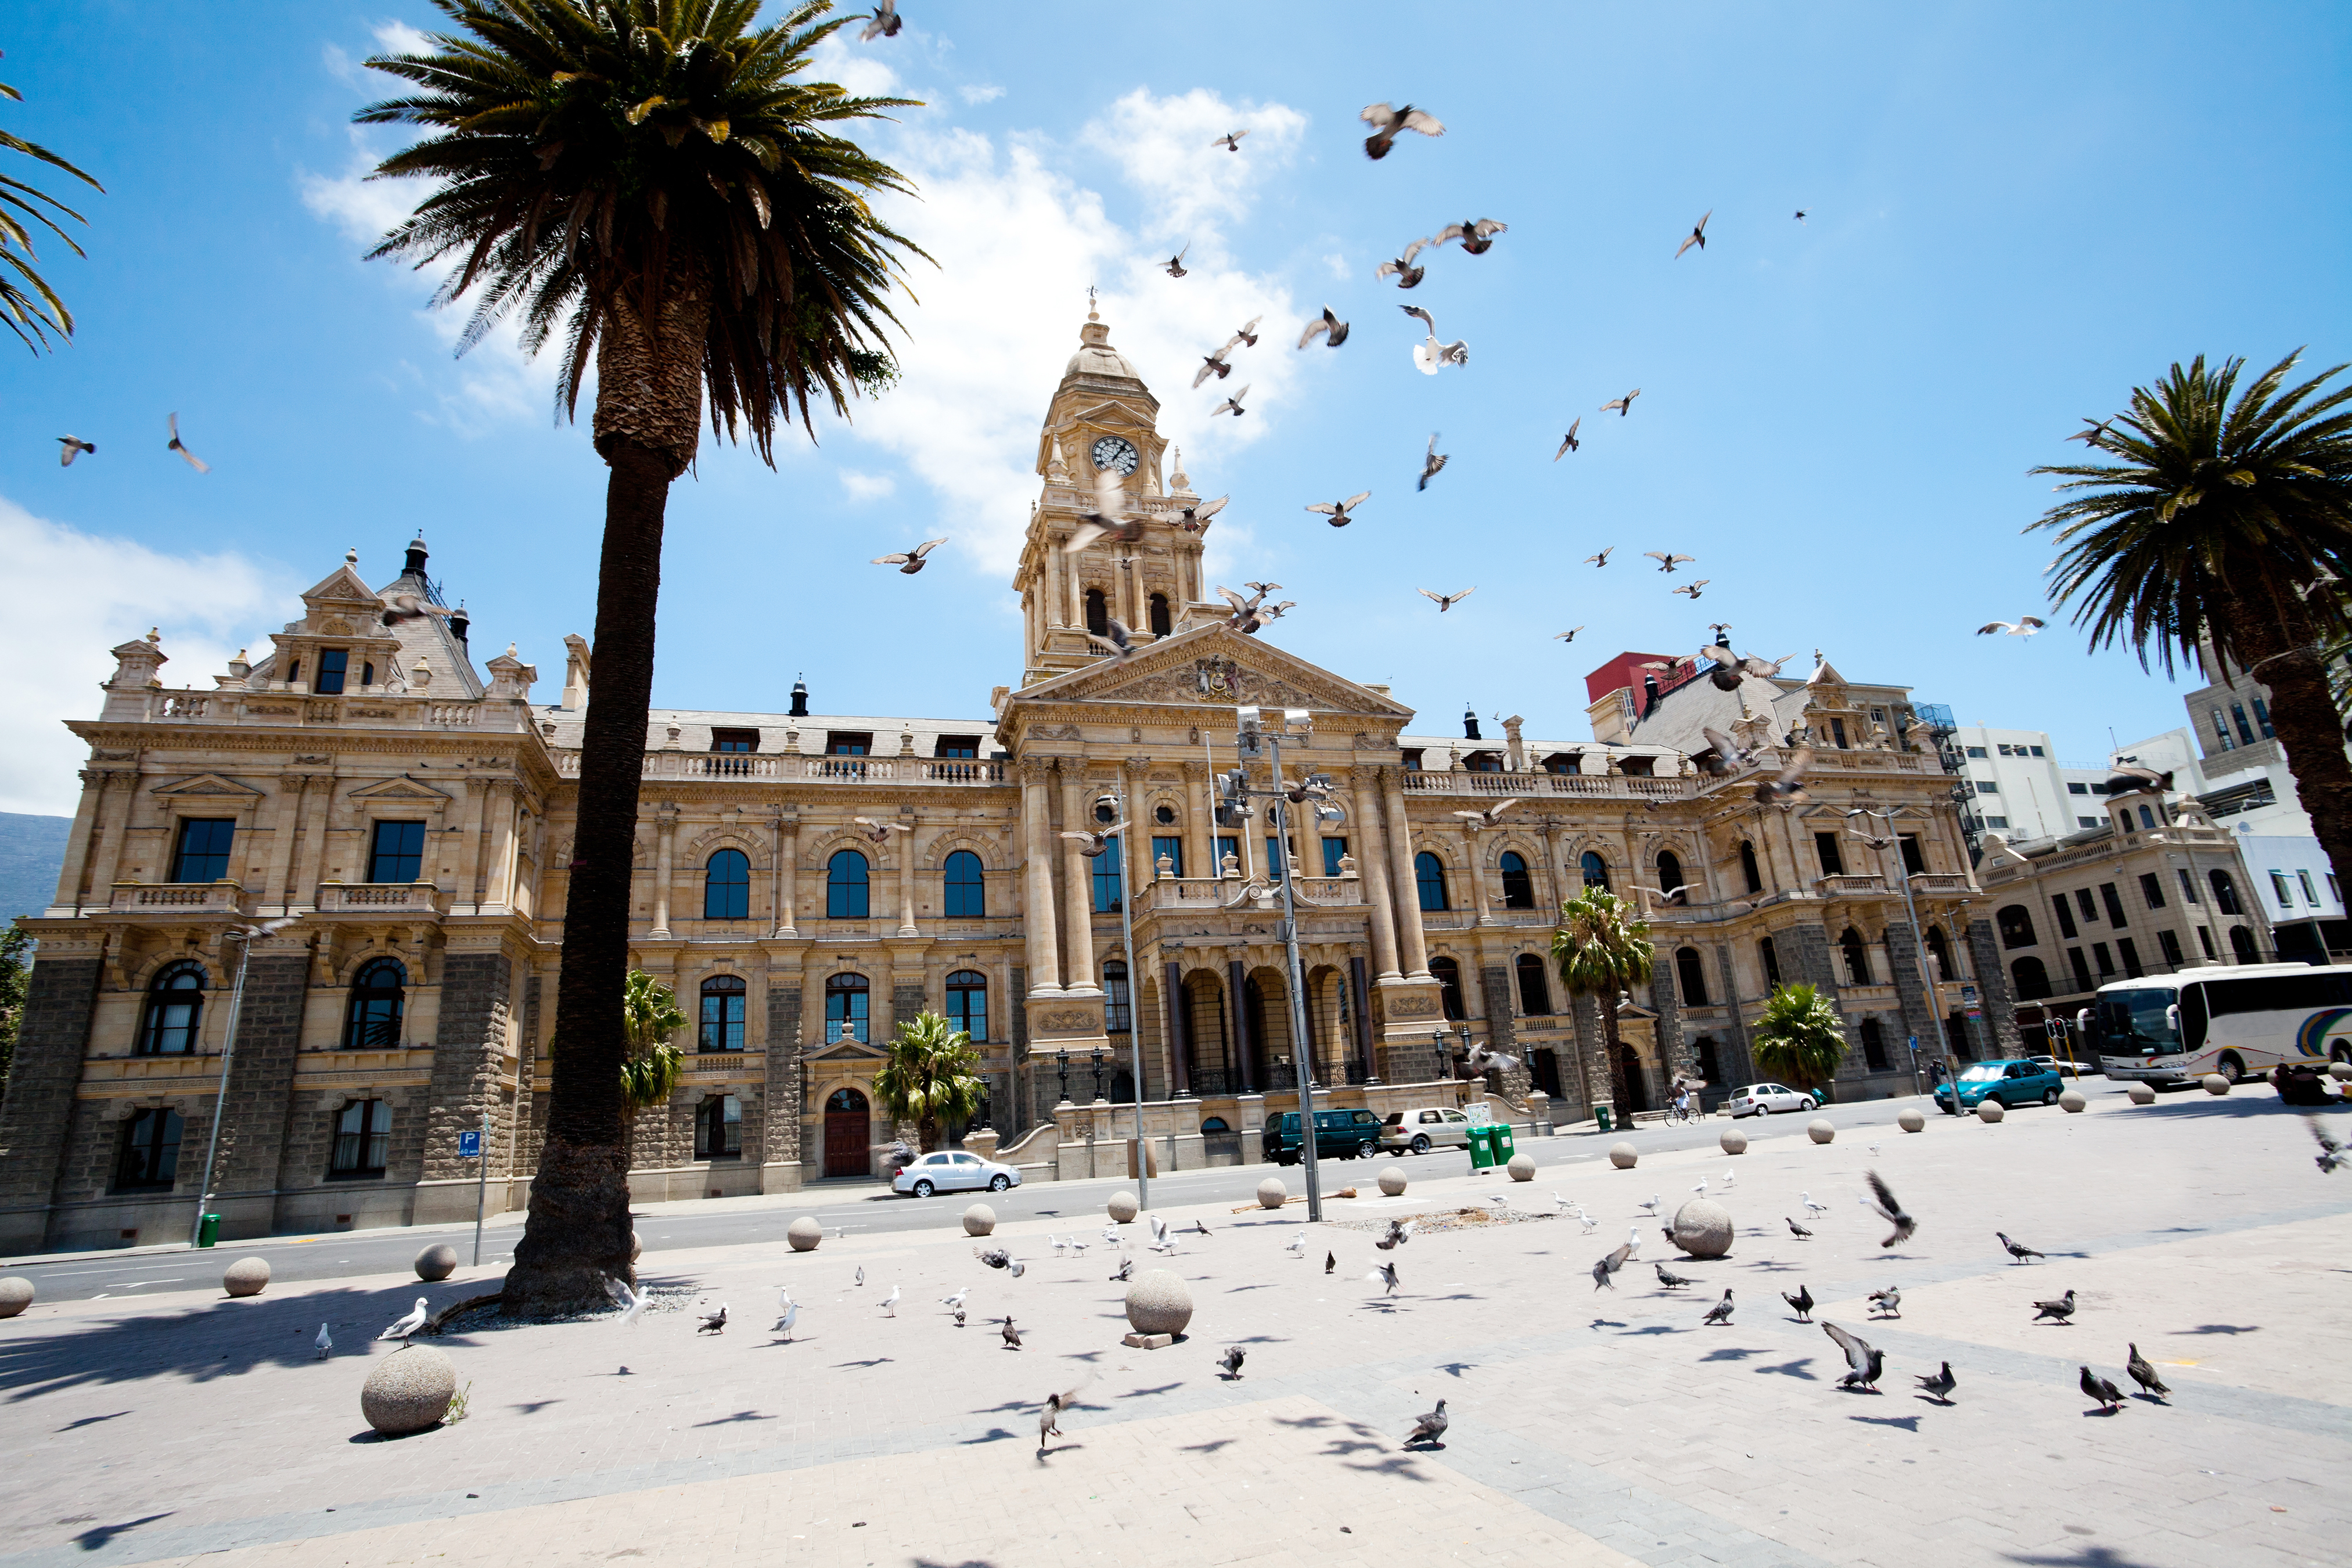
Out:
{"x": 1619, "y": 1092}
{"x": 2309, "y": 730}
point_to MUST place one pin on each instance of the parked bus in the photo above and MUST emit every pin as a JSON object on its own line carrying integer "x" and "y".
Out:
{"x": 2235, "y": 1020}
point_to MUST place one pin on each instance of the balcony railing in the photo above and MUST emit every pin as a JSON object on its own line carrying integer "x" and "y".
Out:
{"x": 380, "y": 899}
{"x": 177, "y": 898}
{"x": 790, "y": 768}
{"x": 1198, "y": 894}
{"x": 1584, "y": 786}
{"x": 1849, "y": 884}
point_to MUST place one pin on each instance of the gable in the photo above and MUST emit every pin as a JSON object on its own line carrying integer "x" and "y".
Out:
{"x": 1210, "y": 666}
{"x": 402, "y": 788}
{"x": 849, "y": 1050}
{"x": 339, "y": 587}
{"x": 208, "y": 785}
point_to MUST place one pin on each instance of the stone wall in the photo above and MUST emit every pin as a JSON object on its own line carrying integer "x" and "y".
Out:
{"x": 468, "y": 1059}
{"x": 52, "y": 1033}
{"x": 781, "y": 1123}
{"x": 261, "y": 1074}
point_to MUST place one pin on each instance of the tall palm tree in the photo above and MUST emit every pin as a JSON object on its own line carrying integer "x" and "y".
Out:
{"x": 647, "y": 180}
{"x": 2225, "y": 518}
{"x": 1601, "y": 948}
{"x": 649, "y": 1073}
{"x": 28, "y": 306}
{"x": 932, "y": 1076}
{"x": 1797, "y": 1038}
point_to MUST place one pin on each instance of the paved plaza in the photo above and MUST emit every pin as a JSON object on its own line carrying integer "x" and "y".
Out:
{"x": 1588, "y": 1427}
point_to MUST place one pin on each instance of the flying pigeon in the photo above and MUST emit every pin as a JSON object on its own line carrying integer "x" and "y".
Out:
{"x": 2057, "y": 1311}
{"x": 1864, "y": 1361}
{"x": 1801, "y": 214}
{"x": 72, "y": 447}
{"x": 2141, "y": 1372}
{"x": 1888, "y": 1209}
{"x": 1476, "y": 235}
{"x": 1667, "y": 561}
{"x": 1431, "y": 462}
{"x": 1609, "y": 1265}
{"x": 1176, "y": 262}
{"x": 1386, "y": 122}
{"x": 1216, "y": 364}
{"x": 1231, "y": 141}
{"x": 1624, "y": 406}
{"x": 1232, "y": 1361}
{"x": 1693, "y": 590}
{"x": 885, "y": 23}
{"x": 1789, "y": 788}
{"x": 189, "y": 457}
{"x": 1194, "y": 518}
{"x": 1430, "y": 1427}
{"x": 2331, "y": 1153}
{"x": 1939, "y": 1387}
{"x": 1096, "y": 842}
{"x": 1721, "y": 1312}
{"x": 1445, "y": 601}
{"x": 1400, "y": 1231}
{"x": 880, "y": 833}
{"x": 2024, "y": 627}
{"x": 1340, "y": 512}
{"x": 1333, "y": 330}
{"x": 1481, "y": 820}
{"x": 2018, "y": 1250}
{"x": 1119, "y": 644}
{"x": 2109, "y": 1396}
{"x": 1054, "y": 1404}
{"x": 1569, "y": 636}
{"x": 1401, "y": 268}
{"x": 1386, "y": 1274}
{"x": 1430, "y": 354}
{"x": 1601, "y": 559}
{"x": 716, "y": 1323}
{"x": 406, "y": 1326}
{"x": 1126, "y": 1268}
{"x": 1887, "y": 1303}
{"x": 1802, "y": 1301}
{"x": 1569, "y": 443}
{"x": 1232, "y": 406}
{"x": 1697, "y": 234}
{"x": 910, "y": 561}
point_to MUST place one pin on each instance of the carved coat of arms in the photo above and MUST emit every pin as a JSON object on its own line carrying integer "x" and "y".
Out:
{"x": 1218, "y": 679}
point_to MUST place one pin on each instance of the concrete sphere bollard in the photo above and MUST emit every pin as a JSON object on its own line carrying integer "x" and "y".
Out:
{"x": 1733, "y": 1140}
{"x": 2216, "y": 1084}
{"x": 439, "y": 1261}
{"x": 1271, "y": 1193}
{"x": 1623, "y": 1155}
{"x": 1122, "y": 1209}
{"x": 979, "y": 1220}
{"x": 2340, "y": 1072}
{"x": 1911, "y": 1119}
{"x": 2140, "y": 1093}
{"x": 1703, "y": 1229}
{"x": 15, "y": 1295}
{"x": 1991, "y": 1109}
{"x": 409, "y": 1390}
{"x": 2074, "y": 1101}
{"x": 245, "y": 1277}
{"x": 1392, "y": 1181}
{"x": 1157, "y": 1302}
{"x": 636, "y": 1247}
{"x": 804, "y": 1233}
{"x": 1522, "y": 1167}
{"x": 1820, "y": 1130}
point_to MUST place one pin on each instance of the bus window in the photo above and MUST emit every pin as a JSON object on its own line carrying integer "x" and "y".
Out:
{"x": 2134, "y": 1023}
{"x": 2192, "y": 1017}
{"x": 2281, "y": 993}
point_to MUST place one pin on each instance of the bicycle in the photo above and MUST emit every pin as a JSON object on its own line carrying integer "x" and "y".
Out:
{"x": 1680, "y": 1115}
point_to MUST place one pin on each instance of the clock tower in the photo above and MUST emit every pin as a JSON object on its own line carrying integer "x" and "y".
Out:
{"x": 1102, "y": 428}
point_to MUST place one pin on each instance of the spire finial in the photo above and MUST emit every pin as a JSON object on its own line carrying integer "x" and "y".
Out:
{"x": 1090, "y": 304}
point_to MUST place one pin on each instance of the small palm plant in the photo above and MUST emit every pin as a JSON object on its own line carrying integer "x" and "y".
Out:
{"x": 932, "y": 1076}
{"x": 649, "y": 1073}
{"x": 1601, "y": 947}
{"x": 1797, "y": 1038}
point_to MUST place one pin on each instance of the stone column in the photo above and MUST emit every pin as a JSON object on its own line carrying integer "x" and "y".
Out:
{"x": 1037, "y": 911}
{"x": 1482, "y": 912}
{"x": 1200, "y": 822}
{"x": 1993, "y": 995}
{"x": 261, "y": 1083}
{"x": 905, "y": 849}
{"x": 1236, "y": 975}
{"x": 292, "y": 792}
{"x": 1180, "y": 1032}
{"x": 785, "y": 834}
{"x": 87, "y": 813}
{"x": 1372, "y": 860}
{"x": 497, "y": 885}
{"x": 664, "y": 842}
{"x": 1361, "y": 1008}
{"x": 52, "y": 1040}
{"x": 1413, "y": 947}
{"x": 468, "y": 898}
{"x": 120, "y": 797}
{"x": 781, "y": 1166}
{"x": 1077, "y": 883}
{"x": 310, "y": 854}
{"x": 468, "y": 1064}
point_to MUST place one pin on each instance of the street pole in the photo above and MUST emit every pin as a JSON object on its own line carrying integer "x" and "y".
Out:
{"x": 1134, "y": 978}
{"x": 244, "y": 939}
{"x": 1919, "y": 948}
{"x": 1302, "y": 1048}
{"x": 481, "y": 1185}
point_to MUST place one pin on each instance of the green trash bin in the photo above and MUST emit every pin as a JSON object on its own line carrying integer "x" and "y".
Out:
{"x": 1482, "y": 1147}
{"x": 208, "y": 1232}
{"x": 1600, "y": 1113}
{"x": 1499, "y": 1138}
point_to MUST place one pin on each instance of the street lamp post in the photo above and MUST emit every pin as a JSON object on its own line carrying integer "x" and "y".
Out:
{"x": 244, "y": 936}
{"x": 1117, "y": 797}
{"x": 1931, "y": 981}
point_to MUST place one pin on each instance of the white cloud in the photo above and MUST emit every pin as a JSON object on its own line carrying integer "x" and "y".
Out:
{"x": 980, "y": 93}
{"x": 1338, "y": 263}
{"x": 77, "y": 594}
{"x": 868, "y": 487}
{"x": 365, "y": 209}
{"x": 400, "y": 39}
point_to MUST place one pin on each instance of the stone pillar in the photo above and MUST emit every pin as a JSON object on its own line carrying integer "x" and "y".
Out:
{"x": 1360, "y": 986}
{"x": 260, "y": 1084}
{"x": 1742, "y": 1061}
{"x": 469, "y": 1052}
{"x": 293, "y": 790}
{"x": 785, "y": 833}
{"x": 905, "y": 849}
{"x": 1371, "y": 859}
{"x": 1077, "y": 883}
{"x": 1911, "y": 993}
{"x": 664, "y": 845}
{"x": 311, "y": 853}
{"x": 1993, "y": 994}
{"x": 1673, "y": 1048}
{"x": 1413, "y": 947}
{"x": 1482, "y": 911}
{"x": 1037, "y": 857}
{"x": 1236, "y": 975}
{"x": 52, "y": 1037}
{"x": 79, "y": 839}
{"x": 497, "y": 879}
{"x": 467, "y": 900}
{"x": 1180, "y": 1031}
{"x": 115, "y": 825}
{"x": 1199, "y": 823}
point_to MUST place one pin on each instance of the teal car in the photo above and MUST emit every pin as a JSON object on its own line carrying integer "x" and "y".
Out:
{"x": 2013, "y": 1083}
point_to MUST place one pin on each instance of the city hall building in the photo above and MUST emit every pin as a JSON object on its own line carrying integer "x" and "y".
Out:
{"x": 407, "y": 805}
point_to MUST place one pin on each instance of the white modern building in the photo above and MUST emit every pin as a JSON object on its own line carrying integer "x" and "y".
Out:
{"x": 2019, "y": 788}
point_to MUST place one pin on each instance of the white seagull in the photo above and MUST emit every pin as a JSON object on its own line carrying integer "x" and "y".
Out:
{"x": 325, "y": 1341}
{"x": 407, "y": 1325}
{"x": 1430, "y": 354}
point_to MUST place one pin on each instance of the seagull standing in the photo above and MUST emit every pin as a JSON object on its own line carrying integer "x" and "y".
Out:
{"x": 956, "y": 1299}
{"x": 793, "y": 1317}
{"x": 861, "y": 1272}
{"x": 1729, "y": 1177}
{"x": 1811, "y": 1207}
{"x": 890, "y": 1303}
{"x": 1650, "y": 1205}
{"x": 326, "y": 1343}
{"x": 1296, "y": 1247}
{"x": 406, "y": 1326}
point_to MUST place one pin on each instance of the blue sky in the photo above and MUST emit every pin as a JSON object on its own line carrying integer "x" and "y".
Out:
{"x": 2016, "y": 212}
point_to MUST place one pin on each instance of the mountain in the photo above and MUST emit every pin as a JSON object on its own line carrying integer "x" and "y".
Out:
{"x": 32, "y": 852}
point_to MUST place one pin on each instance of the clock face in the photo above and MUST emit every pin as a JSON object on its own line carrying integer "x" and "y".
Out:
{"x": 1112, "y": 454}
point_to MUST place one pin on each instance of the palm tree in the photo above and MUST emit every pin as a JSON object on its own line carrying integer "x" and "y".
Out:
{"x": 28, "y": 306}
{"x": 2225, "y": 520}
{"x": 1797, "y": 1038}
{"x": 649, "y": 1073}
{"x": 1601, "y": 947}
{"x": 647, "y": 180}
{"x": 932, "y": 1076}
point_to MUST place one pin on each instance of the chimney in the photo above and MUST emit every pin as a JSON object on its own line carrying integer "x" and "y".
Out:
{"x": 1469, "y": 722}
{"x": 416, "y": 567}
{"x": 799, "y": 709}
{"x": 1649, "y": 694}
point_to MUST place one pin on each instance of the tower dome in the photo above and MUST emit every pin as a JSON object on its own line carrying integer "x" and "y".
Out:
{"x": 1096, "y": 357}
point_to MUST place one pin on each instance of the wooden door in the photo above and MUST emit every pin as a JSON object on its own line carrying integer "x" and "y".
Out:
{"x": 846, "y": 1150}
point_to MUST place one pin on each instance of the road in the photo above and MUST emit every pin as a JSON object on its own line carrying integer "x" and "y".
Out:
{"x": 862, "y": 1208}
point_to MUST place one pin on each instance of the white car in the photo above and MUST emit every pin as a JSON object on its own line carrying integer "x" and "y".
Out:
{"x": 1420, "y": 1129}
{"x": 953, "y": 1171}
{"x": 1764, "y": 1098}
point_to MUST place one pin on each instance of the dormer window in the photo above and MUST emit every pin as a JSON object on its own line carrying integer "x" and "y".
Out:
{"x": 1413, "y": 760}
{"x": 735, "y": 740}
{"x": 333, "y": 664}
{"x": 848, "y": 743}
{"x": 957, "y": 746}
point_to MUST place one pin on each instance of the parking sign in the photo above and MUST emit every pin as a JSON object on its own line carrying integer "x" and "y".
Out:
{"x": 469, "y": 1144}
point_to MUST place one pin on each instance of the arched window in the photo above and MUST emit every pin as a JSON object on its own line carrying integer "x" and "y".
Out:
{"x": 1772, "y": 957}
{"x": 719, "y": 1128}
{"x": 968, "y": 1004}
{"x": 175, "y": 1011}
{"x": 844, "y": 1007}
{"x": 151, "y": 1149}
{"x": 2241, "y": 944}
{"x": 371, "y": 1016}
{"x": 1703, "y": 1051}
{"x": 727, "y": 886}
{"x": 2016, "y": 924}
{"x": 1670, "y": 876}
{"x": 1857, "y": 957}
{"x": 363, "y": 1133}
{"x": 1449, "y": 986}
{"x": 1596, "y": 869}
{"x": 1535, "y": 985}
{"x": 1748, "y": 869}
{"x": 846, "y": 884}
{"x": 1215, "y": 1124}
{"x": 1161, "y": 623}
{"x": 2031, "y": 980}
{"x": 1939, "y": 952}
{"x": 722, "y": 1014}
{"x": 1690, "y": 975}
{"x": 1518, "y": 888}
{"x": 1117, "y": 1017}
{"x": 1097, "y": 613}
{"x": 1874, "y": 1044}
{"x": 1429, "y": 873}
{"x": 2225, "y": 894}
{"x": 967, "y": 887}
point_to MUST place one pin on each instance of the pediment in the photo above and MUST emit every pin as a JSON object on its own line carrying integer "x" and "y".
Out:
{"x": 402, "y": 788}
{"x": 850, "y": 1051}
{"x": 342, "y": 586}
{"x": 1209, "y": 667}
{"x": 208, "y": 785}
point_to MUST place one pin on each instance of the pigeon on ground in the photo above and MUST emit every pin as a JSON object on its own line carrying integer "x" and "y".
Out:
{"x": 1624, "y": 406}
{"x": 1445, "y": 601}
{"x": 408, "y": 1325}
{"x": 1431, "y": 462}
{"x": 1012, "y": 1335}
{"x": 910, "y": 561}
{"x": 2017, "y": 1250}
{"x": 1721, "y": 1312}
{"x": 1333, "y": 331}
{"x": 1330, "y": 1261}
{"x": 631, "y": 1302}
{"x": 1386, "y": 1274}
{"x": 890, "y": 1303}
{"x": 1669, "y": 1279}
{"x": 2057, "y": 1311}
{"x": 1197, "y": 1228}
{"x": 1887, "y": 1303}
{"x": 2024, "y": 627}
{"x": 1939, "y": 1387}
{"x": 1231, "y": 141}
{"x": 326, "y": 1343}
{"x": 1864, "y": 1361}
{"x": 1430, "y": 354}
{"x": 1609, "y": 1265}
{"x": 885, "y": 23}
{"x": 1430, "y": 1427}
{"x": 713, "y": 1323}
{"x": 1386, "y": 122}
{"x": 2109, "y": 1396}
{"x": 72, "y": 447}
{"x": 1888, "y": 1209}
{"x": 1798, "y": 1231}
{"x": 2331, "y": 1153}
{"x": 1176, "y": 263}
{"x": 958, "y": 1315}
{"x": 1697, "y": 234}
{"x": 1232, "y": 1361}
{"x": 1400, "y": 1231}
{"x": 189, "y": 457}
{"x": 1054, "y": 1404}
{"x": 1341, "y": 513}
{"x": 2141, "y": 1372}
{"x": 1802, "y": 1301}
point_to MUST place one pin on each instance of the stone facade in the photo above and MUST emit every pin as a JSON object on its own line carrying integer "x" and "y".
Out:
{"x": 806, "y": 882}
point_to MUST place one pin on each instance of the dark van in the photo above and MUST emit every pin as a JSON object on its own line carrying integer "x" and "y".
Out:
{"x": 1338, "y": 1135}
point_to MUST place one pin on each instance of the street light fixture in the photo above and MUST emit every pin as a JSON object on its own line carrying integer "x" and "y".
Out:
{"x": 244, "y": 935}
{"x": 1114, "y": 800}
{"x": 1919, "y": 948}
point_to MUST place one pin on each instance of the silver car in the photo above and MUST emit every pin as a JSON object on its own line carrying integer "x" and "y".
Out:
{"x": 1419, "y": 1131}
{"x": 1764, "y": 1098}
{"x": 953, "y": 1171}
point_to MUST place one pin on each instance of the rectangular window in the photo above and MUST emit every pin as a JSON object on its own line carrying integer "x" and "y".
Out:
{"x": 847, "y": 744}
{"x": 2310, "y": 892}
{"x": 1228, "y": 846}
{"x": 2098, "y": 789}
{"x": 2151, "y": 889}
{"x": 202, "y": 853}
{"x": 1117, "y": 1017}
{"x": 151, "y": 1149}
{"x": 2065, "y": 917}
{"x": 2083, "y": 902}
{"x": 2078, "y": 789}
{"x": 1413, "y": 761}
{"x": 2131, "y": 958}
{"x": 1975, "y": 751}
{"x": 957, "y": 746}
{"x": 2087, "y": 822}
{"x": 2081, "y": 970}
{"x": 1334, "y": 851}
{"x": 2188, "y": 886}
{"x": 1832, "y": 857}
{"x": 1837, "y": 733}
{"x": 2262, "y": 717}
{"x": 2245, "y": 731}
{"x": 2281, "y": 891}
{"x": 2169, "y": 939}
{"x": 1273, "y": 858}
{"x": 2334, "y": 893}
{"x": 1913, "y": 863}
{"x": 362, "y": 1132}
{"x": 397, "y": 854}
{"x": 1986, "y": 786}
{"x": 2116, "y": 916}
{"x": 334, "y": 663}
{"x": 735, "y": 740}
{"x": 2107, "y": 960}
{"x": 2205, "y": 941}
{"x": 1108, "y": 892}
{"x": 1172, "y": 846}
{"x": 2034, "y": 749}
{"x": 2221, "y": 733}
{"x": 1995, "y": 822}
